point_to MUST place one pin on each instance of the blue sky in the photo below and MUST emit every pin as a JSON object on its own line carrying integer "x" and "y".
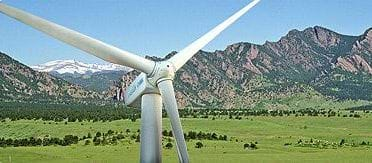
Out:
{"x": 158, "y": 27}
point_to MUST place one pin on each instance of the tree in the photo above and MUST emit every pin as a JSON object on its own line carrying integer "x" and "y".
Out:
{"x": 192, "y": 134}
{"x": 342, "y": 142}
{"x": 251, "y": 145}
{"x": 225, "y": 137}
{"x": 98, "y": 134}
{"x": 87, "y": 142}
{"x": 89, "y": 135}
{"x": 169, "y": 145}
{"x": 138, "y": 138}
{"x": 199, "y": 145}
{"x": 114, "y": 140}
{"x": 165, "y": 133}
{"x": 120, "y": 136}
{"x": 214, "y": 136}
{"x": 96, "y": 141}
{"x": 246, "y": 145}
{"x": 110, "y": 132}
{"x": 104, "y": 141}
{"x": 70, "y": 139}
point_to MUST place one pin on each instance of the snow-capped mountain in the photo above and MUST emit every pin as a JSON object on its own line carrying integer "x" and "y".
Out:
{"x": 76, "y": 67}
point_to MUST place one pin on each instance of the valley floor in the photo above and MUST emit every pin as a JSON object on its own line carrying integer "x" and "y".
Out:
{"x": 277, "y": 140}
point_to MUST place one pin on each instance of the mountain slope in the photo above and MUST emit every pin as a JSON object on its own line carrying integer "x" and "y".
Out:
{"x": 98, "y": 82}
{"x": 313, "y": 63}
{"x": 21, "y": 83}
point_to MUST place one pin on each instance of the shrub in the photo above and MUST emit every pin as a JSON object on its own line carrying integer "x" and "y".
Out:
{"x": 287, "y": 144}
{"x": 87, "y": 142}
{"x": 199, "y": 145}
{"x": 98, "y": 134}
{"x": 342, "y": 142}
{"x": 89, "y": 135}
{"x": 169, "y": 146}
{"x": 251, "y": 145}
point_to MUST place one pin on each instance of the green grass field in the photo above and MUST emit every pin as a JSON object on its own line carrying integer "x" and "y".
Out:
{"x": 271, "y": 133}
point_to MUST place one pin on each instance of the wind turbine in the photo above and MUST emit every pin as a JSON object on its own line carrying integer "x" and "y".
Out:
{"x": 152, "y": 88}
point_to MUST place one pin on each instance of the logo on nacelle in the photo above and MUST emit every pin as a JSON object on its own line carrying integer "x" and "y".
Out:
{"x": 134, "y": 87}
{"x": 139, "y": 87}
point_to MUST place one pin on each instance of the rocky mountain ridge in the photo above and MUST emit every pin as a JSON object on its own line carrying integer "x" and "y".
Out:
{"x": 313, "y": 61}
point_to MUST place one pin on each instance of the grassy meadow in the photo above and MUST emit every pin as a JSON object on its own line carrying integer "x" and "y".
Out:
{"x": 277, "y": 140}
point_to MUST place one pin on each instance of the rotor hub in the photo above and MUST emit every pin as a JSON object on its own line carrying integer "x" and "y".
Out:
{"x": 163, "y": 70}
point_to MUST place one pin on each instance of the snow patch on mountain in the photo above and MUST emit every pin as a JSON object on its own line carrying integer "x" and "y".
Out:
{"x": 76, "y": 67}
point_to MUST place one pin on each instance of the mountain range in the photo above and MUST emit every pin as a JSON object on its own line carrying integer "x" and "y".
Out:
{"x": 314, "y": 65}
{"x": 20, "y": 83}
{"x": 76, "y": 67}
{"x": 95, "y": 77}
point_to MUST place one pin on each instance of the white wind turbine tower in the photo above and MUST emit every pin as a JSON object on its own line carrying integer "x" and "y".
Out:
{"x": 152, "y": 88}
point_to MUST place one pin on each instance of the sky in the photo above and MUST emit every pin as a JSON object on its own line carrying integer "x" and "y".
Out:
{"x": 155, "y": 28}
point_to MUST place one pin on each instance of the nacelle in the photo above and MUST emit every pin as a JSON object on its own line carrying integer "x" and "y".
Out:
{"x": 139, "y": 87}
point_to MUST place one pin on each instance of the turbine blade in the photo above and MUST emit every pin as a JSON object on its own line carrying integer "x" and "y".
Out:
{"x": 95, "y": 47}
{"x": 170, "y": 103}
{"x": 184, "y": 55}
